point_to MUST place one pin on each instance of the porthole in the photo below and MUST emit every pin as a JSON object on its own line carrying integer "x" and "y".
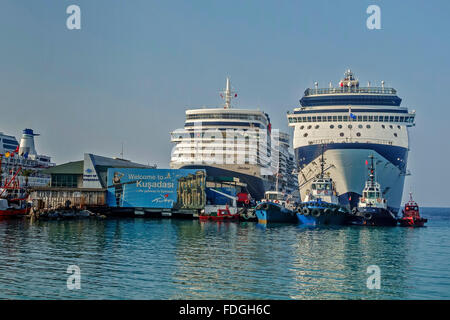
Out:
{"x": 305, "y": 135}
{"x": 360, "y": 126}
{"x": 331, "y": 126}
{"x": 383, "y": 126}
{"x": 395, "y": 134}
{"x": 309, "y": 127}
{"x": 399, "y": 127}
{"x": 350, "y": 126}
{"x": 368, "y": 126}
{"x": 317, "y": 126}
{"x": 340, "y": 126}
{"x": 301, "y": 127}
{"x": 341, "y": 134}
{"x": 358, "y": 134}
{"x": 390, "y": 126}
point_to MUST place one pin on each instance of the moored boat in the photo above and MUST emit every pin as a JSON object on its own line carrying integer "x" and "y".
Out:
{"x": 274, "y": 208}
{"x": 321, "y": 205}
{"x": 411, "y": 216}
{"x": 13, "y": 198}
{"x": 372, "y": 209}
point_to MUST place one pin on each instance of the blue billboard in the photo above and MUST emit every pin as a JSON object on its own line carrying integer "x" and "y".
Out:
{"x": 156, "y": 188}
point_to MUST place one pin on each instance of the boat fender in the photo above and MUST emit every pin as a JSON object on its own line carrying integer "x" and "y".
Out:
{"x": 368, "y": 215}
{"x": 327, "y": 211}
{"x": 316, "y": 213}
{"x": 355, "y": 210}
{"x": 306, "y": 211}
{"x": 265, "y": 206}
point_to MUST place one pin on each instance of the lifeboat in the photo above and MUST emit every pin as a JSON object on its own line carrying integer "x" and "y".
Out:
{"x": 411, "y": 216}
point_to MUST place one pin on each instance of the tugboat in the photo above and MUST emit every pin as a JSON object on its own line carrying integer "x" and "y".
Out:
{"x": 372, "y": 207}
{"x": 274, "y": 208}
{"x": 13, "y": 198}
{"x": 321, "y": 205}
{"x": 411, "y": 216}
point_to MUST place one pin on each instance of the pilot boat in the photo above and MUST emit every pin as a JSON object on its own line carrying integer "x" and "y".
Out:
{"x": 411, "y": 216}
{"x": 321, "y": 205}
{"x": 372, "y": 209}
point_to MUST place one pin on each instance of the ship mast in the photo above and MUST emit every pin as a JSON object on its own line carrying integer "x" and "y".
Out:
{"x": 371, "y": 170}
{"x": 227, "y": 94}
{"x": 322, "y": 163}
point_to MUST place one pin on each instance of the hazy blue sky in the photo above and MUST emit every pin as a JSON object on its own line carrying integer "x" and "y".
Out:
{"x": 135, "y": 66}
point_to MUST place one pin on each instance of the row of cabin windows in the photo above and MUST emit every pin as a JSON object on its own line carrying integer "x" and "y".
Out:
{"x": 358, "y": 134}
{"x": 293, "y": 119}
{"x": 371, "y": 194}
{"x": 224, "y": 116}
{"x": 321, "y": 186}
{"x": 360, "y": 126}
{"x": 12, "y": 142}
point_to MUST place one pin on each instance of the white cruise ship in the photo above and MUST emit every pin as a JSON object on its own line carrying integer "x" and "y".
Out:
{"x": 352, "y": 123}
{"x": 23, "y": 155}
{"x": 229, "y": 143}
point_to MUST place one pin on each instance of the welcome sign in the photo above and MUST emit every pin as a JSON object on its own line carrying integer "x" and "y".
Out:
{"x": 156, "y": 188}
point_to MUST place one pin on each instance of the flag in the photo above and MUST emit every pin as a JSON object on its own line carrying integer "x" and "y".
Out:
{"x": 7, "y": 154}
{"x": 367, "y": 162}
{"x": 25, "y": 155}
{"x": 350, "y": 114}
{"x": 17, "y": 149}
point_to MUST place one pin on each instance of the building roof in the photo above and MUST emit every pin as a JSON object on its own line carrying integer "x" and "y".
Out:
{"x": 74, "y": 167}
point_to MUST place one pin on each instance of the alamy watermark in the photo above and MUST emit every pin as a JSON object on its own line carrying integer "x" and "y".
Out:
{"x": 74, "y": 280}
{"x": 374, "y": 280}
{"x": 374, "y": 20}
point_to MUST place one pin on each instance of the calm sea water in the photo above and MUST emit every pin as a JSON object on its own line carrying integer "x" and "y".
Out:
{"x": 183, "y": 259}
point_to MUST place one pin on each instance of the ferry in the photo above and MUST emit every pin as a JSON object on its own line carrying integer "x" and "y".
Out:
{"x": 352, "y": 122}
{"x": 372, "y": 209}
{"x": 14, "y": 155}
{"x": 235, "y": 144}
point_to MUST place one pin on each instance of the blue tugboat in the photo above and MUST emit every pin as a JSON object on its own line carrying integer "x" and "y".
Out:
{"x": 274, "y": 208}
{"x": 372, "y": 207}
{"x": 321, "y": 205}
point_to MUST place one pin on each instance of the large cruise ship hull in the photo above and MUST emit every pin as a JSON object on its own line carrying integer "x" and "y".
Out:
{"x": 256, "y": 186}
{"x": 346, "y": 165}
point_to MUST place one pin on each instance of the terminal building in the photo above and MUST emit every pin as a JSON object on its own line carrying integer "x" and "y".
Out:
{"x": 90, "y": 173}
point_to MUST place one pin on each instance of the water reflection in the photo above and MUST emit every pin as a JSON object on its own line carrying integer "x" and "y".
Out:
{"x": 179, "y": 259}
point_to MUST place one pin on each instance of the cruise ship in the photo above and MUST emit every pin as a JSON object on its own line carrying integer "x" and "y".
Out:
{"x": 23, "y": 155}
{"x": 231, "y": 143}
{"x": 352, "y": 123}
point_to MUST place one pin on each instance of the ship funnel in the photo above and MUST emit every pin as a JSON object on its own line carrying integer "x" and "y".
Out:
{"x": 27, "y": 143}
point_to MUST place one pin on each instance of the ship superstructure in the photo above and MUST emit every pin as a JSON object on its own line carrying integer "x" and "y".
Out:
{"x": 229, "y": 143}
{"x": 352, "y": 122}
{"x": 23, "y": 155}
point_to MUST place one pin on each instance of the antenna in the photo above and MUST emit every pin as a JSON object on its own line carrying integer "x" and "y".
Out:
{"x": 227, "y": 94}
{"x": 121, "y": 153}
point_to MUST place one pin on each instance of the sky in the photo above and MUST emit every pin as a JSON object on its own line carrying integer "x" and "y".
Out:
{"x": 128, "y": 75}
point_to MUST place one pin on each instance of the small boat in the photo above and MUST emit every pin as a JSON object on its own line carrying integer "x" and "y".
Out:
{"x": 221, "y": 215}
{"x": 372, "y": 207}
{"x": 13, "y": 198}
{"x": 274, "y": 208}
{"x": 321, "y": 205}
{"x": 411, "y": 216}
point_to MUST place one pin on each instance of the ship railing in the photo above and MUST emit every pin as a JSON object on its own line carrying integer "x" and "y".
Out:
{"x": 350, "y": 140}
{"x": 368, "y": 90}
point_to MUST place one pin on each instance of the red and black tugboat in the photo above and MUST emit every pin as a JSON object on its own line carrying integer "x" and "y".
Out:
{"x": 411, "y": 216}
